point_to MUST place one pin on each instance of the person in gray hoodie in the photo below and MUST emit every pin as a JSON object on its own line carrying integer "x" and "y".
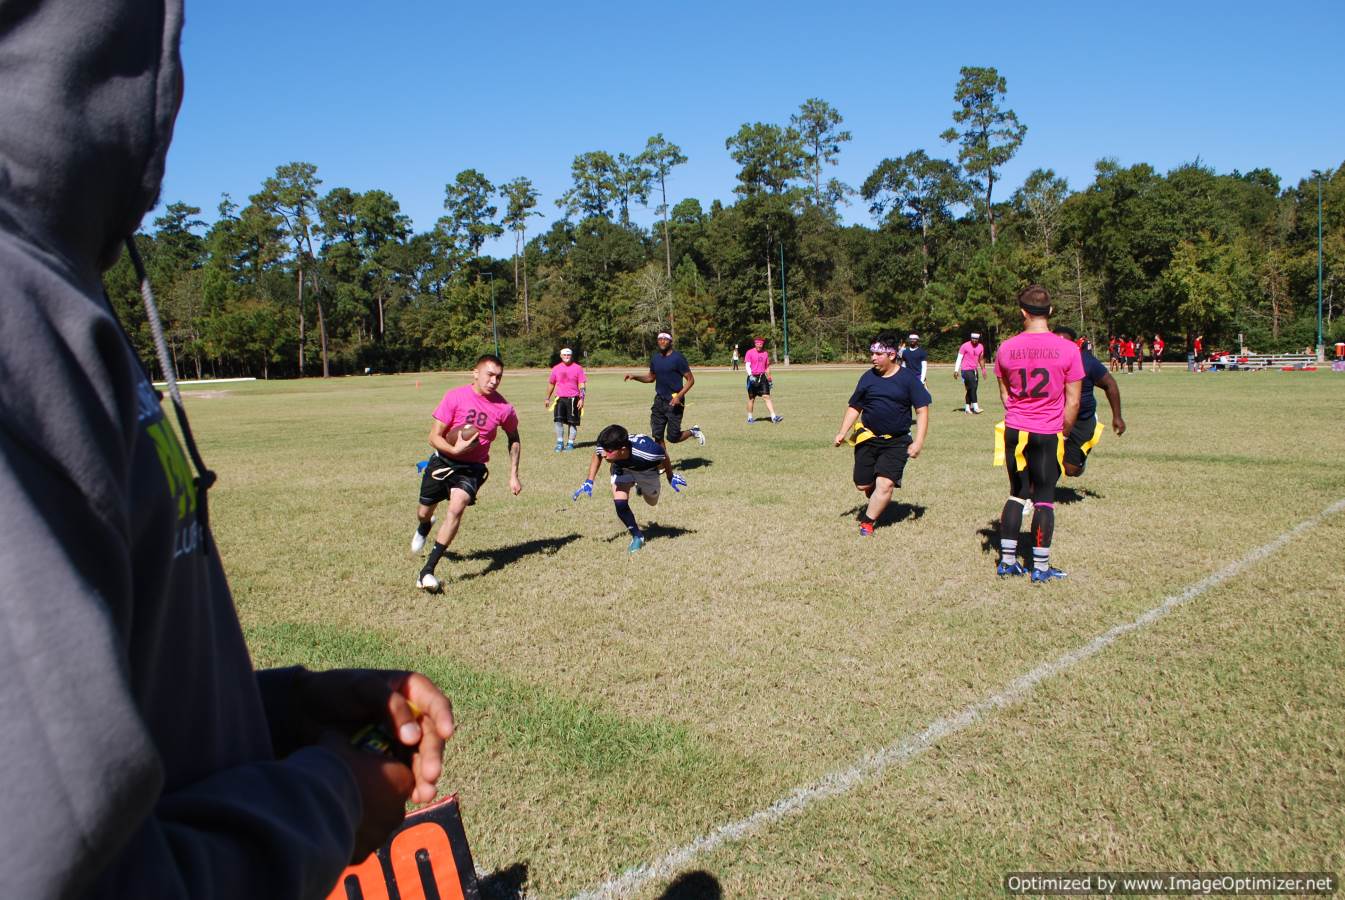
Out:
{"x": 140, "y": 753}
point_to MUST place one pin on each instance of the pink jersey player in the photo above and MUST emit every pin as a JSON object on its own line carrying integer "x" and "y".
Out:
{"x": 488, "y": 412}
{"x": 1038, "y": 365}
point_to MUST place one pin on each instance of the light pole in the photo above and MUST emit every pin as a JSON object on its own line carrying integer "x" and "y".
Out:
{"x": 494, "y": 326}
{"x": 784, "y": 302}
{"x": 1321, "y": 347}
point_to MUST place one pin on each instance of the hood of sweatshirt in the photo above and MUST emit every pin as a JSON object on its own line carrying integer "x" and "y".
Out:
{"x": 89, "y": 90}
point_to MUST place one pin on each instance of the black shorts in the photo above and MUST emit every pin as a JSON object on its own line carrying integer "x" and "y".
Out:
{"x": 566, "y": 411}
{"x": 665, "y": 420}
{"x": 881, "y": 456}
{"x": 1034, "y": 464}
{"x": 758, "y": 386}
{"x": 442, "y": 475}
{"x": 1081, "y": 441}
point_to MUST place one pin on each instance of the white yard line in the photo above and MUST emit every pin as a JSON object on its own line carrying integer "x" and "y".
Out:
{"x": 842, "y": 781}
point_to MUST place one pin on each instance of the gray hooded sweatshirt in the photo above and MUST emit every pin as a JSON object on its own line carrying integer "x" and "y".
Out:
{"x": 135, "y": 755}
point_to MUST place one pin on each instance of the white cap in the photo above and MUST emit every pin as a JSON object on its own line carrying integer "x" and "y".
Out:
{"x": 566, "y": 351}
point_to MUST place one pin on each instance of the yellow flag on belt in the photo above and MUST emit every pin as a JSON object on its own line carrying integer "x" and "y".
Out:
{"x": 999, "y": 443}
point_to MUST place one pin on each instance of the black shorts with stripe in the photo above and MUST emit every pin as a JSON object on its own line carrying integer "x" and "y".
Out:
{"x": 566, "y": 411}
{"x": 1081, "y": 441}
{"x": 885, "y": 456}
{"x": 443, "y": 474}
{"x": 1034, "y": 464}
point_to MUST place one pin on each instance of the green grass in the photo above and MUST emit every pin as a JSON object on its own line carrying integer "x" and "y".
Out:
{"x": 614, "y": 707}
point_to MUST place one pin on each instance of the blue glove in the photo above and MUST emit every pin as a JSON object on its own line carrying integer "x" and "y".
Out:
{"x": 585, "y": 491}
{"x": 677, "y": 482}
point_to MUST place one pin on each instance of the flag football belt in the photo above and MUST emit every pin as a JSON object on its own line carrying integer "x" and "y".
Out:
{"x": 860, "y": 433}
{"x": 998, "y": 458}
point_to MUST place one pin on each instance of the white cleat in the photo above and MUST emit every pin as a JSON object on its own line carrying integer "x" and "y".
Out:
{"x": 428, "y": 583}
{"x": 696, "y": 433}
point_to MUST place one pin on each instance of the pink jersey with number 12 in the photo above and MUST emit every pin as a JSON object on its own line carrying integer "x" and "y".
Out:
{"x": 463, "y": 406}
{"x": 1037, "y": 366}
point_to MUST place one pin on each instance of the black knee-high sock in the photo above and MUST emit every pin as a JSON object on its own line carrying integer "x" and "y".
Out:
{"x": 423, "y": 528}
{"x": 436, "y": 553}
{"x": 1010, "y": 523}
{"x": 1043, "y": 529}
{"x": 627, "y": 518}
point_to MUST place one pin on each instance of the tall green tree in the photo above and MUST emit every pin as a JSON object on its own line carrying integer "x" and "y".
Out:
{"x": 594, "y": 187}
{"x": 818, "y": 125}
{"x": 630, "y": 178}
{"x": 292, "y": 195}
{"x": 471, "y": 215}
{"x": 989, "y": 135}
{"x": 520, "y": 199}
{"x": 661, "y": 155}
{"x": 771, "y": 160}
{"x": 919, "y": 190}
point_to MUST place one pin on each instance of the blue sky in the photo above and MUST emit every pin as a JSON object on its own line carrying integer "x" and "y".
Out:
{"x": 404, "y": 95}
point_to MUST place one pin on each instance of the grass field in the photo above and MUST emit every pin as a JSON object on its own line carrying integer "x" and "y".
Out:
{"x": 613, "y": 708}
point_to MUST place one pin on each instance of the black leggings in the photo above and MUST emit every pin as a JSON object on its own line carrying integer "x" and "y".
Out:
{"x": 970, "y": 380}
{"x": 1033, "y": 461}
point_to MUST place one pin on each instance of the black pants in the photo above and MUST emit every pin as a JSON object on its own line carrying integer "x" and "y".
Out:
{"x": 970, "y": 380}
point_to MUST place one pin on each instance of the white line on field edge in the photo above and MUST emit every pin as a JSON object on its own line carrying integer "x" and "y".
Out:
{"x": 834, "y": 784}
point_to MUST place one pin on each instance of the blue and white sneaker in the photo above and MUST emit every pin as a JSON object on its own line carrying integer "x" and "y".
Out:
{"x": 559, "y": 446}
{"x": 696, "y": 433}
{"x": 635, "y": 544}
{"x": 569, "y": 445}
{"x": 750, "y": 420}
{"x": 1047, "y": 574}
{"x": 1014, "y": 568}
{"x": 777, "y": 419}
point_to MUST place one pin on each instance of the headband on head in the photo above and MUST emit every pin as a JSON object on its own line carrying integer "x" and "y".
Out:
{"x": 1032, "y": 310}
{"x": 664, "y": 334}
{"x": 566, "y": 352}
{"x": 912, "y": 337}
{"x": 880, "y": 347}
{"x": 975, "y": 335}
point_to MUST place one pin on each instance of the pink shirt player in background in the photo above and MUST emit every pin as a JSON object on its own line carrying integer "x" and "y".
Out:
{"x": 569, "y": 383}
{"x": 969, "y": 367}
{"x": 1040, "y": 380}
{"x": 759, "y": 381}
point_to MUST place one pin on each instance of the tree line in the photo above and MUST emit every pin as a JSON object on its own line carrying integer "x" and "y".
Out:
{"x": 306, "y": 281}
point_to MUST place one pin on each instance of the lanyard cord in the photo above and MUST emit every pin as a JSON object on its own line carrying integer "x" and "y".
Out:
{"x": 204, "y": 477}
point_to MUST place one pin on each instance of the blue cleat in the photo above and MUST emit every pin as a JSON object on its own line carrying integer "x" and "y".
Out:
{"x": 1047, "y": 574}
{"x": 559, "y": 446}
{"x": 1004, "y": 569}
{"x": 635, "y": 544}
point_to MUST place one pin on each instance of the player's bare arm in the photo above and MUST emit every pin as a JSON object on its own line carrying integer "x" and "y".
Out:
{"x": 1073, "y": 391}
{"x": 515, "y": 453}
{"x": 687, "y": 381}
{"x": 647, "y": 378}
{"x": 921, "y": 428}
{"x": 1005, "y": 392}
{"x": 1113, "y": 392}
{"x": 583, "y": 389}
{"x": 847, "y": 422}
{"x": 550, "y": 389}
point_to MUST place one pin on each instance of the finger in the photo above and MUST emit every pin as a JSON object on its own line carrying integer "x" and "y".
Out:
{"x": 431, "y": 702}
